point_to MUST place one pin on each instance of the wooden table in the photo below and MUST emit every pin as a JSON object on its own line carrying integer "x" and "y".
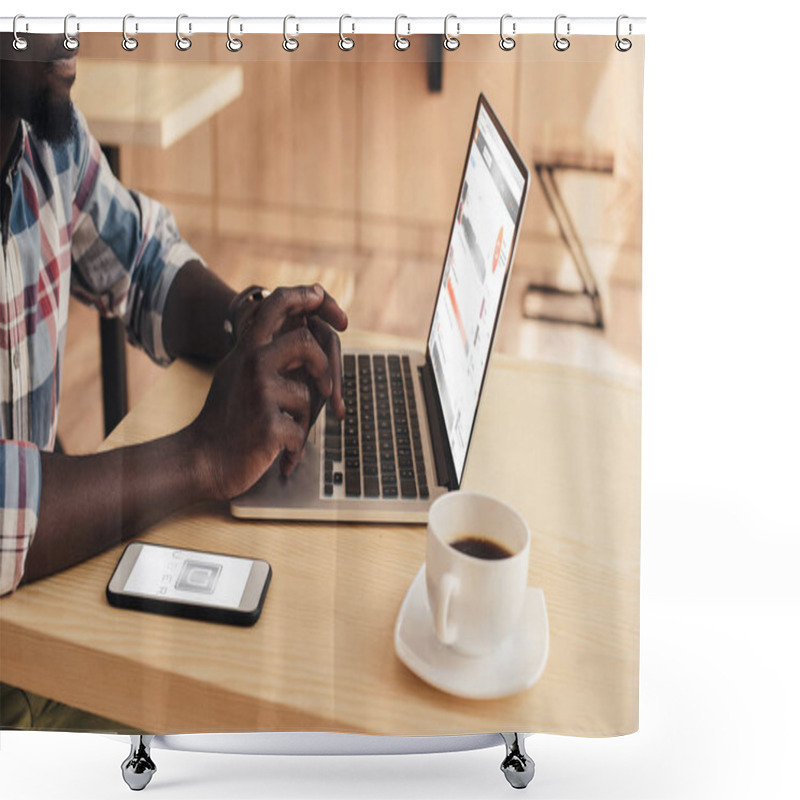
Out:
{"x": 152, "y": 103}
{"x": 562, "y": 444}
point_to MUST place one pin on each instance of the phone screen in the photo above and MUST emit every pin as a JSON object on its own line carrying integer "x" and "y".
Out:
{"x": 185, "y": 576}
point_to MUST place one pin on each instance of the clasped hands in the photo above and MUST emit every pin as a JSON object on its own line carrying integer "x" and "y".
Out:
{"x": 267, "y": 392}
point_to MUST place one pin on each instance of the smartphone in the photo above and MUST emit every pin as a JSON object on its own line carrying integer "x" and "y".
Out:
{"x": 189, "y": 583}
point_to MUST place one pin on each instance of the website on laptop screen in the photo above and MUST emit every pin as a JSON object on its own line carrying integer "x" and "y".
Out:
{"x": 472, "y": 281}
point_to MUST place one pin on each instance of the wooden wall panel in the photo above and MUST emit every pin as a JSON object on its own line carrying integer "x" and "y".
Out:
{"x": 290, "y": 142}
{"x": 183, "y": 170}
{"x": 564, "y": 98}
{"x": 152, "y": 47}
{"x": 255, "y": 158}
{"x": 584, "y": 106}
{"x": 414, "y": 141}
{"x": 351, "y": 149}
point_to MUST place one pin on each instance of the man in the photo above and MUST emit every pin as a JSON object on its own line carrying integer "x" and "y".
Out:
{"x": 69, "y": 225}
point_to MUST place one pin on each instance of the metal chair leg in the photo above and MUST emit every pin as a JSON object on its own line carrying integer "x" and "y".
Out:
{"x": 568, "y": 305}
{"x": 138, "y": 768}
{"x": 113, "y": 366}
{"x": 113, "y": 363}
{"x": 517, "y": 766}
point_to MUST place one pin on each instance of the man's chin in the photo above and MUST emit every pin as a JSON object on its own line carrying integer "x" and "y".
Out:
{"x": 64, "y": 68}
{"x": 53, "y": 121}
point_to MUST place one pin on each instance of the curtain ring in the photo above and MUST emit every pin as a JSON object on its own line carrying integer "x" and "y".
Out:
{"x": 345, "y": 42}
{"x": 233, "y": 44}
{"x": 70, "y": 42}
{"x": 623, "y": 45}
{"x": 128, "y": 42}
{"x": 400, "y": 42}
{"x": 182, "y": 42}
{"x": 290, "y": 44}
{"x": 451, "y": 42}
{"x": 19, "y": 43}
{"x": 561, "y": 43}
{"x": 506, "y": 42}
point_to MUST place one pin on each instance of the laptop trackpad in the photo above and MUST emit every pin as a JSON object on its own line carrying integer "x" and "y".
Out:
{"x": 298, "y": 489}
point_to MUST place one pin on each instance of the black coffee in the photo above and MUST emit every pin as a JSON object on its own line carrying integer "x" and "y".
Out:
{"x": 480, "y": 547}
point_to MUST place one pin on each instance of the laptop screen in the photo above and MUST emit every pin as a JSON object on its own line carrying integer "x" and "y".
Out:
{"x": 476, "y": 266}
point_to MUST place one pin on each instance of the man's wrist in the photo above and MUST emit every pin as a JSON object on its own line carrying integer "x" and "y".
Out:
{"x": 241, "y": 308}
{"x": 194, "y": 312}
{"x": 203, "y": 477}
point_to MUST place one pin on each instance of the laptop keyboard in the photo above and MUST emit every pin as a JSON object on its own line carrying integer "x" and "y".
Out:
{"x": 377, "y": 451}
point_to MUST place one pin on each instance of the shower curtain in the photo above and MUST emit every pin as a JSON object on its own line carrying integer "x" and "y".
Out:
{"x": 282, "y": 166}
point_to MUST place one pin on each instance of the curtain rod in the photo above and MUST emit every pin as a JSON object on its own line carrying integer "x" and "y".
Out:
{"x": 407, "y": 26}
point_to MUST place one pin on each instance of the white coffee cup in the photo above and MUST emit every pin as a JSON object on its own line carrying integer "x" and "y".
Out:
{"x": 476, "y": 602}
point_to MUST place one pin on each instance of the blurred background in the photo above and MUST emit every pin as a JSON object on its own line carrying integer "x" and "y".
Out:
{"x": 343, "y": 168}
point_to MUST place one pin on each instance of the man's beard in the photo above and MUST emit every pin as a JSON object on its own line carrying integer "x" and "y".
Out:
{"x": 52, "y": 120}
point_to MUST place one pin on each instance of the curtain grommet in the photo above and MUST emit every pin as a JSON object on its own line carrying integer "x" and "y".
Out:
{"x": 129, "y": 43}
{"x": 346, "y": 43}
{"x": 70, "y": 42}
{"x": 19, "y": 43}
{"x": 507, "y": 43}
{"x": 449, "y": 42}
{"x": 401, "y": 43}
{"x": 233, "y": 44}
{"x": 561, "y": 43}
{"x": 182, "y": 42}
{"x": 623, "y": 45}
{"x": 290, "y": 43}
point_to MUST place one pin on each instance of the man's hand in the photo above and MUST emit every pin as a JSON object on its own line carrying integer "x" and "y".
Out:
{"x": 325, "y": 320}
{"x": 267, "y": 392}
{"x": 261, "y": 402}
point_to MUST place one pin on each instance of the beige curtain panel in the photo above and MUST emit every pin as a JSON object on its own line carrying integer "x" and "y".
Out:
{"x": 320, "y": 383}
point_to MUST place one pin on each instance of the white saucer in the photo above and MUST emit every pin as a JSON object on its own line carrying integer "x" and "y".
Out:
{"x": 515, "y": 666}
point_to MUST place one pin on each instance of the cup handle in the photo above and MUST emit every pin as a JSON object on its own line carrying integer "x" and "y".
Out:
{"x": 447, "y": 588}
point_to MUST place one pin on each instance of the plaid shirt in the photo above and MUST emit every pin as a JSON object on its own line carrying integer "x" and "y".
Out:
{"x": 68, "y": 225}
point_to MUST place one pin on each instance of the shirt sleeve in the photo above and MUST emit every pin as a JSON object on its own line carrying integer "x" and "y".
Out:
{"x": 20, "y": 491}
{"x": 126, "y": 249}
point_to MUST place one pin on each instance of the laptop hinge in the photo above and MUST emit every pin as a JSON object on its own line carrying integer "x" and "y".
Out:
{"x": 445, "y": 474}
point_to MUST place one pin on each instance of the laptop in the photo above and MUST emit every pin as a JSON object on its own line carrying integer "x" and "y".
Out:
{"x": 410, "y": 415}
